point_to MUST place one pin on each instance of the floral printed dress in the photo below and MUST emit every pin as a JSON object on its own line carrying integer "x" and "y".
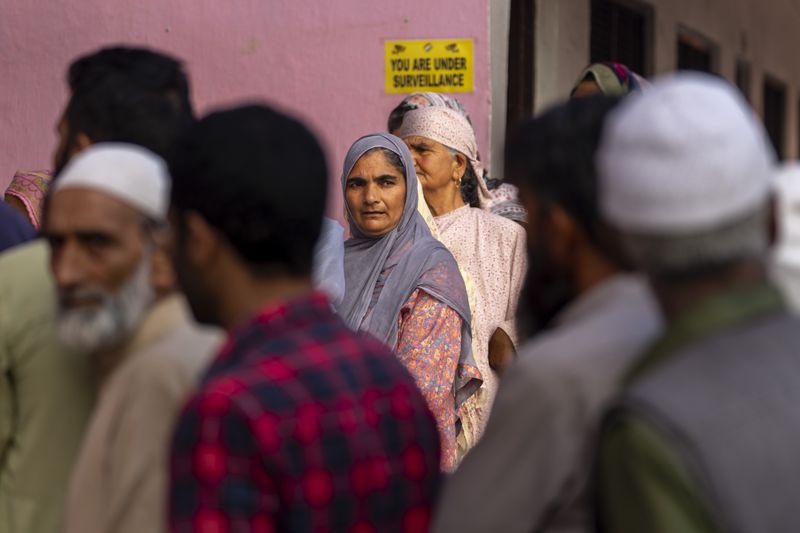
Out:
{"x": 429, "y": 345}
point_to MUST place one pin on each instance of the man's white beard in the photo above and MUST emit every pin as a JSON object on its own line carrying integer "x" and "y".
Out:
{"x": 95, "y": 328}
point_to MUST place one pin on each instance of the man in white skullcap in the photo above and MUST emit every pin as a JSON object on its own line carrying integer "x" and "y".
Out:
{"x": 704, "y": 436}
{"x": 117, "y": 303}
{"x": 121, "y": 94}
{"x": 590, "y": 318}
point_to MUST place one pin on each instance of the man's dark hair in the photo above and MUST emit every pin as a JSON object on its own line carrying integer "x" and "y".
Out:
{"x": 553, "y": 155}
{"x": 396, "y": 116}
{"x": 260, "y": 178}
{"x": 132, "y": 95}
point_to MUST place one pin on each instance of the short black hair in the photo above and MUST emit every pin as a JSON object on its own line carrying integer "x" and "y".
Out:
{"x": 134, "y": 95}
{"x": 554, "y": 156}
{"x": 397, "y": 114}
{"x": 260, "y": 178}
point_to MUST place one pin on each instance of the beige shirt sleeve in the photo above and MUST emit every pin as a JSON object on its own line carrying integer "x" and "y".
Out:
{"x": 139, "y": 451}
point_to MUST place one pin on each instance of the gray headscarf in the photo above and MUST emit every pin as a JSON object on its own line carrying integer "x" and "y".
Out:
{"x": 381, "y": 273}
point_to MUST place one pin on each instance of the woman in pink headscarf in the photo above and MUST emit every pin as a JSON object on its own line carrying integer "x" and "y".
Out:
{"x": 490, "y": 248}
{"x": 27, "y": 191}
{"x": 417, "y": 100}
{"x": 503, "y": 197}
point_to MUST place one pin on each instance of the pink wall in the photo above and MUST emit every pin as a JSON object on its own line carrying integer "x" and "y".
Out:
{"x": 323, "y": 60}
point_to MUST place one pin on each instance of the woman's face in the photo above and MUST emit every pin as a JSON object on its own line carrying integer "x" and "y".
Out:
{"x": 586, "y": 88}
{"x": 375, "y": 193}
{"x": 434, "y": 162}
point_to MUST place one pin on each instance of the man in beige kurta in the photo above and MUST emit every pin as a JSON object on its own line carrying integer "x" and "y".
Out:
{"x": 118, "y": 484}
{"x": 117, "y": 303}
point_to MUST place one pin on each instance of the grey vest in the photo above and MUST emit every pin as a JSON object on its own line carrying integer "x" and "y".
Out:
{"x": 729, "y": 406}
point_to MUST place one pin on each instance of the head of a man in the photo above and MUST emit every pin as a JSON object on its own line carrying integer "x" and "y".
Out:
{"x": 102, "y": 222}
{"x": 685, "y": 177}
{"x": 123, "y": 94}
{"x": 551, "y": 160}
{"x": 248, "y": 196}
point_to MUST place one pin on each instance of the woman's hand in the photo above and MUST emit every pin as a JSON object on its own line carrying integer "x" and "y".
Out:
{"x": 501, "y": 351}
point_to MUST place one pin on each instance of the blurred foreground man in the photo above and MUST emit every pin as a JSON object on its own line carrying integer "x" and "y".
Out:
{"x": 530, "y": 470}
{"x": 705, "y": 437}
{"x": 117, "y": 94}
{"x": 302, "y": 424}
{"x": 117, "y": 303}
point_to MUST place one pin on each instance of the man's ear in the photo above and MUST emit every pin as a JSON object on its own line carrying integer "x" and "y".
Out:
{"x": 200, "y": 241}
{"x": 82, "y": 142}
{"x": 162, "y": 275}
{"x": 565, "y": 234}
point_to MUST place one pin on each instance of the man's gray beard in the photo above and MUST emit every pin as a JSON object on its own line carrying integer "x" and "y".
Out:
{"x": 93, "y": 329}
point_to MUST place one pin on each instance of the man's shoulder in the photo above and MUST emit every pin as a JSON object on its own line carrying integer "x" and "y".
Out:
{"x": 184, "y": 343}
{"x": 755, "y": 358}
{"x": 281, "y": 372}
{"x": 25, "y": 266}
{"x": 774, "y": 338}
{"x": 739, "y": 390}
{"x": 307, "y": 346}
{"x": 587, "y": 356}
{"x": 27, "y": 292}
{"x": 753, "y": 364}
{"x": 776, "y": 333}
{"x": 552, "y": 372}
{"x": 176, "y": 358}
{"x": 618, "y": 328}
{"x": 26, "y": 256}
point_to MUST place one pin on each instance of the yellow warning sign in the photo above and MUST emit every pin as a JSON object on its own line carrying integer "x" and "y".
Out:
{"x": 438, "y": 65}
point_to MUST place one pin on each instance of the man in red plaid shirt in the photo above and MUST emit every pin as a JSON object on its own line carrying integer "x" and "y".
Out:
{"x": 300, "y": 424}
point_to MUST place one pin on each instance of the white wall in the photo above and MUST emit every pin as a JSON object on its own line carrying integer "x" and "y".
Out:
{"x": 766, "y": 33}
{"x": 499, "y": 22}
{"x": 562, "y": 48}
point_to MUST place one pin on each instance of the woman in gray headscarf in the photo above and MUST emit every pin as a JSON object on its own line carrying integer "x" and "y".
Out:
{"x": 402, "y": 285}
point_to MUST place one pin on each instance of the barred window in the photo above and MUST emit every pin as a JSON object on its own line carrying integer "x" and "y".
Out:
{"x": 621, "y": 31}
{"x": 521, "y": 60}
{"x": 775, "y": 113}
{"x": 743, "y": 78}
{"x": 695, "y": 52}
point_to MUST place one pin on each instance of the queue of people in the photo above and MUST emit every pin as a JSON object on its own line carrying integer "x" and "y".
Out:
{"x": 593, "y": 343}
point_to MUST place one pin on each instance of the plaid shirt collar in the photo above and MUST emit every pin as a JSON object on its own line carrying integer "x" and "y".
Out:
{"x": 277, "y": 317}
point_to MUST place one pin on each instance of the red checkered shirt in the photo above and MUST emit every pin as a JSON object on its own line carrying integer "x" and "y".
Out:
{"x": 303, "y": 425}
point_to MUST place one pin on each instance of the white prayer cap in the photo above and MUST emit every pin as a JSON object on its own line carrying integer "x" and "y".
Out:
{"x": 685, "y": 156}
{"x": 129, "y": 173}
